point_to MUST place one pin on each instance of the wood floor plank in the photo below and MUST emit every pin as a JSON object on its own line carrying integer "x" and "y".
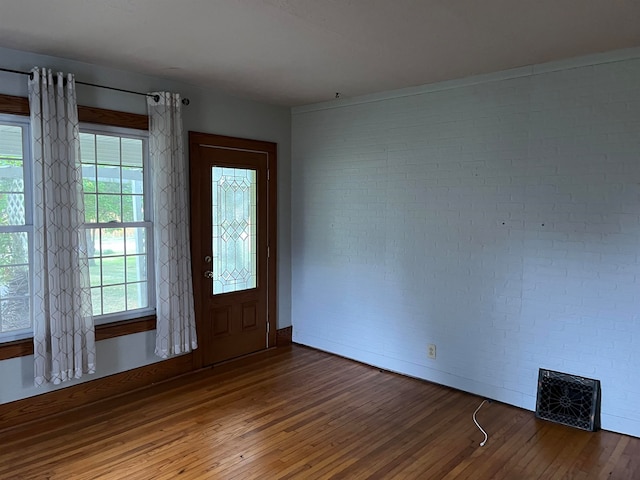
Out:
{"x": 298, "y": 413}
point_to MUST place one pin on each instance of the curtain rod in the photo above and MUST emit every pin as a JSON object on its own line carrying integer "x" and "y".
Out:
{"x": 185, "y": 101}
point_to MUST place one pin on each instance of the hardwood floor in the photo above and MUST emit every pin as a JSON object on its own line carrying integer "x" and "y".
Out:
{"x": 295, "y": 412}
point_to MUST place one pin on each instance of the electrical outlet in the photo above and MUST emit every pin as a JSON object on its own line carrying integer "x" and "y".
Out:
{"x": 431, "y": 351}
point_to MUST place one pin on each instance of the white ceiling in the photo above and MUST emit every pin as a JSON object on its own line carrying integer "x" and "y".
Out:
{"x": 294, "y": 52}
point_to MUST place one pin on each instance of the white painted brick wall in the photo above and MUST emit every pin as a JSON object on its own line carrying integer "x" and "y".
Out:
{"x": 500, "y": 221}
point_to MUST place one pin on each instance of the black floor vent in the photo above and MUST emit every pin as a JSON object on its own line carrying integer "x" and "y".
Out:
{"x": 568, "y": 399}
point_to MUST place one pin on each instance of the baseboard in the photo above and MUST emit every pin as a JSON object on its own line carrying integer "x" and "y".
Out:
{"x": 33, "y": 408}
{"x": 284, "y": 336}
{"x": 28, "y": 409}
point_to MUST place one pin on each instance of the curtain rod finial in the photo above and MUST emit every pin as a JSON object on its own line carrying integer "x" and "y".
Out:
{"x": 185, "y": 101}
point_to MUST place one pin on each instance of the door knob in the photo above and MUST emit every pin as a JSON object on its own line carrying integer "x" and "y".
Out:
{"x": 208, "y": 274}
{"x": 207, "y": 259}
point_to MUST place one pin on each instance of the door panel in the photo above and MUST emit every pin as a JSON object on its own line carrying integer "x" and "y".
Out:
{"x": 233, "y": 235}
{"x": 250, "y": 316}
{"x": 220, "y": 321}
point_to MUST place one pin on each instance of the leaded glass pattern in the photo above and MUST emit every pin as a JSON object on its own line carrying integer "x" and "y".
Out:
{"x": 234, "y": 229}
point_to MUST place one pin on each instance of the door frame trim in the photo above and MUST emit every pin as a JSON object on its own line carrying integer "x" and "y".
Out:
{"x": 197, "y": 139}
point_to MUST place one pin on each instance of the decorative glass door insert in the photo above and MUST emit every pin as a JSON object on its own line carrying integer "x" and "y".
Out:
{"x": 234, "y": 193}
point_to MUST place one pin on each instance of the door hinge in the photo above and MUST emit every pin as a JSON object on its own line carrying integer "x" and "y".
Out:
{"x": 268, "y": 252}
{"x": 268, "y": 174}
{"x": 267, "y": 335}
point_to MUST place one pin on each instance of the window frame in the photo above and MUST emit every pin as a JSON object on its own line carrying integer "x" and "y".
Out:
{"x": 147, "y": 195}
{"x": 27, "y": 227}
{"x": 14, "y": 105}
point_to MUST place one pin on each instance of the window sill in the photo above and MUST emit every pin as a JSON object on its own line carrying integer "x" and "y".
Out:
{"x": 21, "y": 348}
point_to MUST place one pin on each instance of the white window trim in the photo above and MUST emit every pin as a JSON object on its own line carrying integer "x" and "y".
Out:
{"x": 97, "y": 129}
{"x": 25, "y": 123}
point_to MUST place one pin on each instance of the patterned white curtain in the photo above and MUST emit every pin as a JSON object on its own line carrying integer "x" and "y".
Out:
{"x": 176, "y": 329}
{"x": 64, "y": 338}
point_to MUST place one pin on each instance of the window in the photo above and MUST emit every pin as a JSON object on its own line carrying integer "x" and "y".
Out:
{"x": 15, "y": 229}
{"x": 118, "y": 225}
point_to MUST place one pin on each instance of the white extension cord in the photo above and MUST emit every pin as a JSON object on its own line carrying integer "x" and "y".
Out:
{"x": 486, "y": 437}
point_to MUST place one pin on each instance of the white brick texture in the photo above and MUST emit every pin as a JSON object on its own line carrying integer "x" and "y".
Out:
{"x": 499, "y": 221}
